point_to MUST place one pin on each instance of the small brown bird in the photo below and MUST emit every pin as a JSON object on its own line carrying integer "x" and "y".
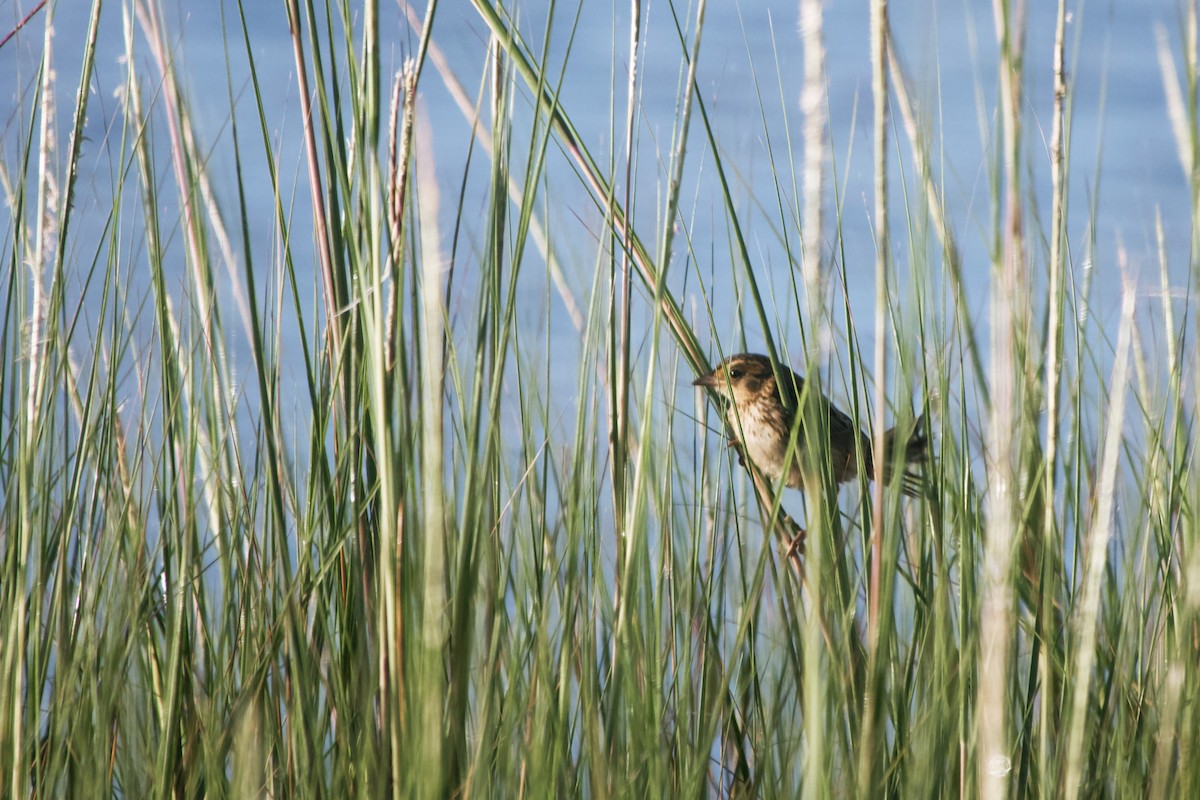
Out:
{"x": 762, "y": 412}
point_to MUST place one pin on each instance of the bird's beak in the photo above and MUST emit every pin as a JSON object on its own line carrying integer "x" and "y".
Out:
{"x": 708, "y": 381}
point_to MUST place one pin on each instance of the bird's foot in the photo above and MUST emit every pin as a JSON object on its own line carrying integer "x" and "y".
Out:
{"x": 736, "y": 445}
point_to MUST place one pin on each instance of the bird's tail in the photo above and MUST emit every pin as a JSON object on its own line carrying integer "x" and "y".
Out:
{"x": 914, "y": 455}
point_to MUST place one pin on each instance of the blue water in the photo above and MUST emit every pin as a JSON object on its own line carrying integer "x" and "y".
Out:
{"x": 1124, "y": 157}
{"x": 1124, "y": 161}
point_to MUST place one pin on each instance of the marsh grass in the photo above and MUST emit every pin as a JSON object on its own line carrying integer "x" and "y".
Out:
{"x": 450, "y": 521}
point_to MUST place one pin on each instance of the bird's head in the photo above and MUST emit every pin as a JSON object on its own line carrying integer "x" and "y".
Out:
{"x": 741, "y": 379}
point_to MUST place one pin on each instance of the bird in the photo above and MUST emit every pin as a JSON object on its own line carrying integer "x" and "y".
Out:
{"x": 762, "y": 412}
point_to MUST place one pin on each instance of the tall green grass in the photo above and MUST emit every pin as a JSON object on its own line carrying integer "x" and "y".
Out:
{"x": 339, "y": 509}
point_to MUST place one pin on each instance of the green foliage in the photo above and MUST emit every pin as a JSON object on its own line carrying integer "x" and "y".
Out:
{"x": 393, "y": 534}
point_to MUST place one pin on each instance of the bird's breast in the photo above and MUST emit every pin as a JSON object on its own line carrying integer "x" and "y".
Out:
{"x": 764, "y": 438}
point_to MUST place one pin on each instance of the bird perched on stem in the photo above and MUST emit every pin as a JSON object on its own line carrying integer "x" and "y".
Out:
{"x": 762, "y": 411}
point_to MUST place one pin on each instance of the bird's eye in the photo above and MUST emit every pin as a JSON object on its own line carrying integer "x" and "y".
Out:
{"x": 735, "y": 373}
